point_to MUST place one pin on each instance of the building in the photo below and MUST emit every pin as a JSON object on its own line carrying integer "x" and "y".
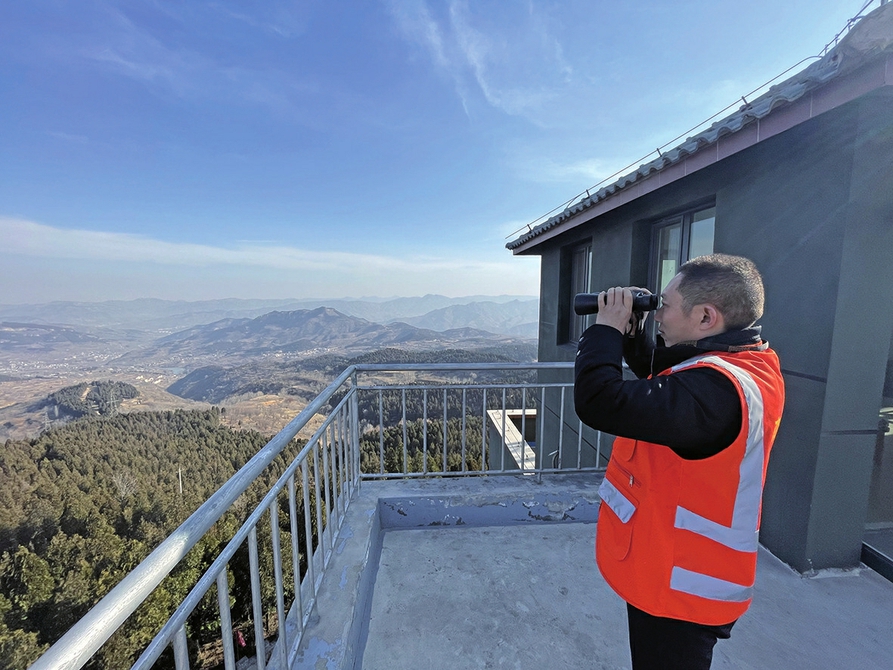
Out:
{"x": 800, "y": 180}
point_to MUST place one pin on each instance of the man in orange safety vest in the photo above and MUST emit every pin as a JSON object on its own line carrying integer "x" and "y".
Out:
{"x": 677, "y": 532}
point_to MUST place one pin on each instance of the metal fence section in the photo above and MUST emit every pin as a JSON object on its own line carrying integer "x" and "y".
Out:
{"x": 478, "y": 421}
{"x": 378, "y": 421}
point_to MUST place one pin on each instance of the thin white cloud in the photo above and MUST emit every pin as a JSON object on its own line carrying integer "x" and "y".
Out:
{"x": 146, "y": 70}
{"x": 418, "y": 25}
{"x": 68, "y": 137}
{"x": 28, "y": 238}
{"x": 133, "y": 51}
{"x": 515, "y": 64}
{"x": 494, "y": 60}
{"x": 285, "y": 19}
{"x": 539, "y": 167}
{"x": 146, "y": 267}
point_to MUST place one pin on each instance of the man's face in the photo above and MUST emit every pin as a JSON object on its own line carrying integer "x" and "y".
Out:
{"x": 673, "y": 324}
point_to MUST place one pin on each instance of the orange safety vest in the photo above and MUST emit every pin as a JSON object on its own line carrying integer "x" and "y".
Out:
{"x": 678, "y": 538}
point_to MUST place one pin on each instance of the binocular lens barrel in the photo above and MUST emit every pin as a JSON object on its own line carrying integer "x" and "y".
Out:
{"x": 587, "y": 303}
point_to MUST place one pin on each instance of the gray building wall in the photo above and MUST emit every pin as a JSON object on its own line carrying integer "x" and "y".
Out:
{"x": 813, "y": 207}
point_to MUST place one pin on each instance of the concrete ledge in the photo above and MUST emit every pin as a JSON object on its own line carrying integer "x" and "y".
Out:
{"x": 331, "y": 640}
{"x": 336, "y": 634}
{"x": 496, "y": 508}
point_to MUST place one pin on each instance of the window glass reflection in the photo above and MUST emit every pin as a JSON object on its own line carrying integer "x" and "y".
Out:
{"x": 701, "y": 235}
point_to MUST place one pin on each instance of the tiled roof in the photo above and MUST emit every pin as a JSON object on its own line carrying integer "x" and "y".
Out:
{"x": 869, "y": 38}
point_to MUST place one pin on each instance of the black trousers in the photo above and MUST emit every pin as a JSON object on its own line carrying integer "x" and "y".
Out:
{"x": 656, "y": 643}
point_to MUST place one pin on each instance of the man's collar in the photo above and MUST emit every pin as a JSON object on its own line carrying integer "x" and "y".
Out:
{"x": 744, "y": 339}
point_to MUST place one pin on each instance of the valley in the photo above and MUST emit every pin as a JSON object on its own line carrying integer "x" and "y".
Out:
{"x": 261, "y": 367}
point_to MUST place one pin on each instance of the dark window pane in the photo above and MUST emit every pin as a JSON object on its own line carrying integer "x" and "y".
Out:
{"x": 581, "y": 262}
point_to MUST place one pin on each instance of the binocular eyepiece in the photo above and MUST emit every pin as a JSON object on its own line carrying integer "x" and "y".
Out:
{"x": 587, "y": 303}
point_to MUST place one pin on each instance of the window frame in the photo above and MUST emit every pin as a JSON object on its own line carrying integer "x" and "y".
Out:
{"x": 570, "y": 323}
{"x": 684, "y": 219}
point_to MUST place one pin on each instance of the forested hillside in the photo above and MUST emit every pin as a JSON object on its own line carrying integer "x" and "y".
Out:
{"x": 95, "y": 398}
{"x": 309, "y": 376}
{"x": 81, "y": 505}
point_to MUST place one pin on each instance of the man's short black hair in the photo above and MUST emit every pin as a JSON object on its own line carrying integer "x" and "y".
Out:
{"x": 732, "y": 284}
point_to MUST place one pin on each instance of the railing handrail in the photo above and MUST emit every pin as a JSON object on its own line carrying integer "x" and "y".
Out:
{"x": 162, "y": 639}
{"x": 74, "y": 648}
{"x": 423, "y": 367}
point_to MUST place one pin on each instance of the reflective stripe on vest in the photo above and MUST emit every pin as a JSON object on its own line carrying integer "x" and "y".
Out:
{"x": 614, "y": 499}
{"x": 705, "y": 586}
{"x": 743, "y": 534}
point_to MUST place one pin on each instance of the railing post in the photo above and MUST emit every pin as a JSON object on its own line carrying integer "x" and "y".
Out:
{"x": 425, "y": 431}
{"x": 226, "y": 621}
{"x": 181, "y": 650}
{"x": 257, "y": 606}
{"x": 295, "y": 551}
{"x": 561, "y": 431}
{"x": 320, "y": 535}
{"x": 502, "y": 451}
{"x": 541, "y": 432}
{"x": 308, "y": 529}
{"x": 484, "y": 449}
{"x": 523, "y": 426}
{"x": 327, "y": 496}
{"x": 280, "y": 587}
{"x": 405, "y": 437}
{"x": 443, "y": 466}
{"x": 464, "y": 408}
{"x": 345, "y": 462}
{"x": 380, "y": 434}
{"x": 355, "y": 435}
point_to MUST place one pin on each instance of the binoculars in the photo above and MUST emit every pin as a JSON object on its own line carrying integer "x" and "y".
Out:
{"x": 587, "y": 303}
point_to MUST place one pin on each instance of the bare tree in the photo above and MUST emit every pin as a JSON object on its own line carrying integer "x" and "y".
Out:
{"x": 126, "y": 484}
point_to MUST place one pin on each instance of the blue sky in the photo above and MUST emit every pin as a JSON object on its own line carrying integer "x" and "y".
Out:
{"x": 197, "y": 150}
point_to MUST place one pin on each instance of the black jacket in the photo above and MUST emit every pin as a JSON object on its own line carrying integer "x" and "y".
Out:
{"x": 696, "y": 412}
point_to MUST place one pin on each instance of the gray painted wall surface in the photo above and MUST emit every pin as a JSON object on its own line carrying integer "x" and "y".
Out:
{"x": 860, "y": 344}
{"x": 813, "y": 207}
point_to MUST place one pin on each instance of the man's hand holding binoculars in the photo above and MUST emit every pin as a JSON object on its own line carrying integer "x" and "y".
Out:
{"x": 615, "y": 309}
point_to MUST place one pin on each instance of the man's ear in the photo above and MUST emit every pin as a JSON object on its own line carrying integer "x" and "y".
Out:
{"x": 710, "y": 318}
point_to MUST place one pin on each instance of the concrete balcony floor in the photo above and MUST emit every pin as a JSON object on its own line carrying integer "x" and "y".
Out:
{"x": 499, "y": 572}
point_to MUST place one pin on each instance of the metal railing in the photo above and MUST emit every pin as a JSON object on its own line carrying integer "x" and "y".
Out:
{"x": 379, "y": 421}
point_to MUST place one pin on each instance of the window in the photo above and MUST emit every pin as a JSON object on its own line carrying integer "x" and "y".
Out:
{"x": 678, "y": 239}
{"x": 577, "y": 274}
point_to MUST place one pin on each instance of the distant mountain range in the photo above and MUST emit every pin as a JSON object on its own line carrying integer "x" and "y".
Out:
{"x": 140, "y": 336}
{"x": 516, "y": 317}
{"x": 287, "y": 355}
{"x": 506, "y": 313}
{"x": 301, "y": 332}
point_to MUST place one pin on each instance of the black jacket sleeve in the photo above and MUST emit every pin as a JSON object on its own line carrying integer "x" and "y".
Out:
{"x": 638, "y": 352}
{"x": 696, "y": 413}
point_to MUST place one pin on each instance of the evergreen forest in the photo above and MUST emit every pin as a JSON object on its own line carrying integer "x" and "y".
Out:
{"x": 82, "y": 505}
